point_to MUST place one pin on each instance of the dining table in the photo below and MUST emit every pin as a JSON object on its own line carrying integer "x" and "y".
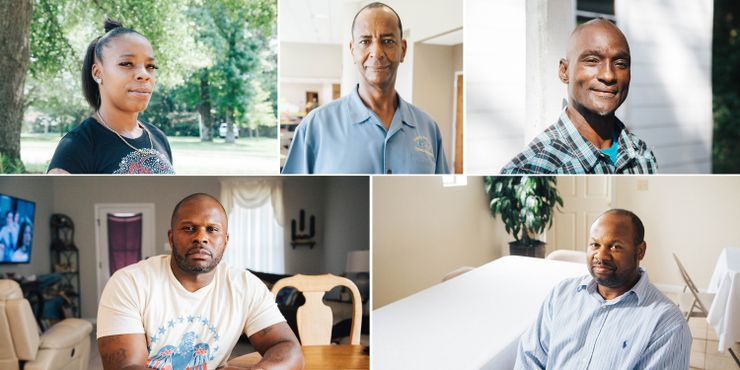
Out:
{"x": 473, "y": 321}
{"x": 323, "y": 357}
{"x": 724, "y": 313}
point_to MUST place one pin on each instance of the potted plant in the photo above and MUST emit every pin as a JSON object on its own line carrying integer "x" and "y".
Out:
{"x": 526, "y": 205}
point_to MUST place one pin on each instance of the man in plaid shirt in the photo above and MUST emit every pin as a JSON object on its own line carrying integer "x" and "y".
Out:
{"x": 588, "y": 137}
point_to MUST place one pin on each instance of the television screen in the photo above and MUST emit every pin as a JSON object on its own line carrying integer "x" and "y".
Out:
{"x": 16, "y": 229}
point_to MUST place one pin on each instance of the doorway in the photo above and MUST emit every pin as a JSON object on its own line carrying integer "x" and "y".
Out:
{"x": 123, "y": 224}
{"x": 584, "y": 199}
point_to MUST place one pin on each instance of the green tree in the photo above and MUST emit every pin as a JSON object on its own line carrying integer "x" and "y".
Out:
{"x": 725, "y": 82}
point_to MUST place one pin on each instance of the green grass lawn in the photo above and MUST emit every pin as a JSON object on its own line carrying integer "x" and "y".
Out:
{"x": 190, "y": 156}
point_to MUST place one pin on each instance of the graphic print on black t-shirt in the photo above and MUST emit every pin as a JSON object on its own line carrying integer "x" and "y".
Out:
{"x": 93, "y": 148}
{"x": 145, "y": 161}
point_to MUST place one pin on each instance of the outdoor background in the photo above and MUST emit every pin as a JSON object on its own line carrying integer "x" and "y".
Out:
{"x": 217, "y": 62}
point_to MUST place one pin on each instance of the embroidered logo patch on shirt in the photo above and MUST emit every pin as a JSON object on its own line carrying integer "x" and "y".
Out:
{"x": 423, "y": 145}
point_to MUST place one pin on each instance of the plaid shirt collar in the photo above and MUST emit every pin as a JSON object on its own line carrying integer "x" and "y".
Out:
{"x": 588, "y": 154}
{"x": 562, "y": 149}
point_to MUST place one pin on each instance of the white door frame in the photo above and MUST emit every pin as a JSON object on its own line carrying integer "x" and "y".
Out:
{"x": 101, "y": 235}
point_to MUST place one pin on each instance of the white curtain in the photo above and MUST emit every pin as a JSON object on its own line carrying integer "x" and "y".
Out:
{"x": 255, "y": 209}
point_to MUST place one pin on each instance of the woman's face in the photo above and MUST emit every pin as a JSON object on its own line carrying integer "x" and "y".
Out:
{"x": 127, "y": 73}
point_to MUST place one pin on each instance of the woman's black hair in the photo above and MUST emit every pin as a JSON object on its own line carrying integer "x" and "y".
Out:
{"x": 21, "y": 231}
{"x": 90, "y": 88}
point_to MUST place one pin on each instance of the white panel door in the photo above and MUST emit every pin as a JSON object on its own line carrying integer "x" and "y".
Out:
{"x": 584, "y": 199}
{"x": 101, "y": 235}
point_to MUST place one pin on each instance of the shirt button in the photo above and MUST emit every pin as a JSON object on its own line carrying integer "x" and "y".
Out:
{"x": 389, "y": 172}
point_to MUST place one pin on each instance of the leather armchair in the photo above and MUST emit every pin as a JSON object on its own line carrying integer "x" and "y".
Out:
{"x": 65, "y": 346}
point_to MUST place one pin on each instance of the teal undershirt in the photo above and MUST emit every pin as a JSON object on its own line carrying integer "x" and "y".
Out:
{"x": 611, "y": 151}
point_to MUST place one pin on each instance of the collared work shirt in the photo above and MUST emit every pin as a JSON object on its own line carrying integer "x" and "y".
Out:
{"x": 345, "y": 136}
{"x": 577, "y": 329}
{"x": 562, "y": 149}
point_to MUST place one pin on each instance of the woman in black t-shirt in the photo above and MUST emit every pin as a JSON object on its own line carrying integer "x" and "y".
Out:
{"x": 118, "y": 77}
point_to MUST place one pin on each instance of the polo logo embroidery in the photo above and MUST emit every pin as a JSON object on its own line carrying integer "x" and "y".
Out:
{"x": 424, "y": 145}
{"x": 624, "y": 344}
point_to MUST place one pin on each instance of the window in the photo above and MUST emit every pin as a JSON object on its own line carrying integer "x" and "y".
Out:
{"x": 254, "y": 207}
{"x": 587, "y": 10}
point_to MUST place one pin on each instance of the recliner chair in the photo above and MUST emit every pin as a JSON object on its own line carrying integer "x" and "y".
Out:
{"x": 65, "y": 346}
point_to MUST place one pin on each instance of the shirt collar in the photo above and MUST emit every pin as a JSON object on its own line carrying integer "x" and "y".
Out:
{"x": 359, "y": 113}
{"x": 640, "y": 289}
{"x": 587, "y": 153}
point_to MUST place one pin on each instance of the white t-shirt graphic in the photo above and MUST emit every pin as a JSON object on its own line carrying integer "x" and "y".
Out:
{"x": 185, "y": 330}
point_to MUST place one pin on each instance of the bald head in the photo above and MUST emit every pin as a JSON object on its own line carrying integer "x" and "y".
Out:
{"x": 596, "y": 68}
{"x": 595, "y": 28}
{"x": 192, "y": 198}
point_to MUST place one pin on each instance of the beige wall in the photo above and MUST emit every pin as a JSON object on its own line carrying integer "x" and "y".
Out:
{"x": 433, "y": 85}
{"x": 422, "y": 231}
{"x": 692, "y": 216}
{"x": 311, "y": 61}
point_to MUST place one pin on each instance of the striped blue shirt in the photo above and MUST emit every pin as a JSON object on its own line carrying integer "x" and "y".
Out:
{"x": 577, "y": 329}
{"x": 562, "y": 149}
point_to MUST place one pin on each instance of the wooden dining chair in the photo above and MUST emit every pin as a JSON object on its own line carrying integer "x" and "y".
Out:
{"x": 314, "y": 318}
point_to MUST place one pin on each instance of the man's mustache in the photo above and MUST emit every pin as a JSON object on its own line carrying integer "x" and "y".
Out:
{"x": 596, "y": 262}
{"x": 198, "y": 249}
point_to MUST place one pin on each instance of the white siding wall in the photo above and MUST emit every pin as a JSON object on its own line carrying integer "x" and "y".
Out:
{"x": 670, "y": 100}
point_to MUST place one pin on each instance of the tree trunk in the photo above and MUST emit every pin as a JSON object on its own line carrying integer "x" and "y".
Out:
{"x": 204, "y": 108}
{"x": 230, "y": 126}
{"x": 15, "y": 29}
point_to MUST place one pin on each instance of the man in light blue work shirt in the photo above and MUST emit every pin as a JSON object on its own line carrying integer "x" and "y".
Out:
{"x": 371, "y": 130}
{"x": 613, "y": 319}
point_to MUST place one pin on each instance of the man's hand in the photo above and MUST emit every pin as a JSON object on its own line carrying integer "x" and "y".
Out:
{"x": 123, "y": 352}
{"x": 279, "y": 348}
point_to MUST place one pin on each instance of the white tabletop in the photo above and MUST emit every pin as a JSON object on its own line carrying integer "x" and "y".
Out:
{"x": 724, "y": 314}
{"x": 473, "y": 321}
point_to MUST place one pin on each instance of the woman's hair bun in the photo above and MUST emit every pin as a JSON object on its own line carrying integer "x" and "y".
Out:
{"x": 111, "y": 24}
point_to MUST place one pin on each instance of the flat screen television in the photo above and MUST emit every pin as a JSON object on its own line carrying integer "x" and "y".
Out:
{"x": 16, "y": 229}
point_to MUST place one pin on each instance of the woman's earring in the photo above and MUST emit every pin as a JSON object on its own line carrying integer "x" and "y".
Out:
{"x": 98, "y": 81}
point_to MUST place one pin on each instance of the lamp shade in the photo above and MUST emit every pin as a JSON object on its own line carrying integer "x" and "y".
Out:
{"x": 358, "y": 261}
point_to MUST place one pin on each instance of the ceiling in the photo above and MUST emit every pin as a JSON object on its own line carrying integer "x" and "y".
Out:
{"x": 329, "y": 21}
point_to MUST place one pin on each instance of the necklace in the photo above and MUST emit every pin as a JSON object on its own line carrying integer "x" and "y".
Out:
{"x": 151, "y": 143}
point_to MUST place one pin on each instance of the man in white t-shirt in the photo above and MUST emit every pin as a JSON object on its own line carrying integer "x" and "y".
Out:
{"x": 187, "y": 311}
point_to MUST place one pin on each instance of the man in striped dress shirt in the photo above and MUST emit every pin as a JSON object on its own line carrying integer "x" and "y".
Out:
{"x": 613, "y": 319}
{"x": 588, "y": 137}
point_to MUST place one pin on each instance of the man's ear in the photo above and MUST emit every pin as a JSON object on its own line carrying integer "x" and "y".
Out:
{"x": 403, "y": 49}
{"x": 352, "y": 51}
{"x": 169, "y": 239}
{"x": 563, "y": 70}
{"x": 641, "y": 250}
